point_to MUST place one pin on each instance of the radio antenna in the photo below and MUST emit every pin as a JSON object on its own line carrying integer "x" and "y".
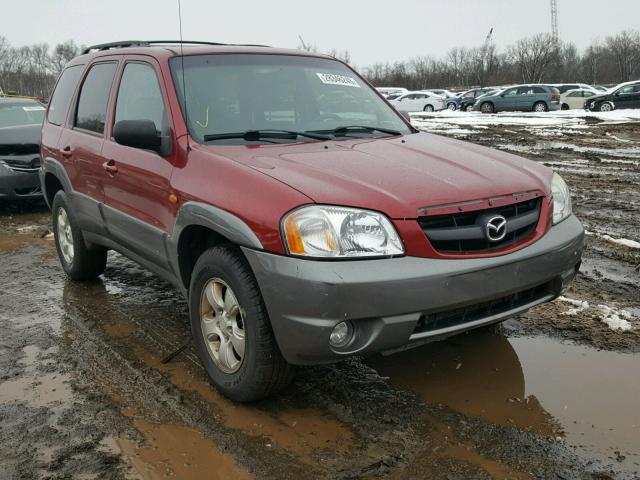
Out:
{"x": 184, "y": 85}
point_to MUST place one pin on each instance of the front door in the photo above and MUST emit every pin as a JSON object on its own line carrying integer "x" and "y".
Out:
{"x": 137, "y": 209}
{"x": 627, "y": 97}
{"x": 509, "y": 99}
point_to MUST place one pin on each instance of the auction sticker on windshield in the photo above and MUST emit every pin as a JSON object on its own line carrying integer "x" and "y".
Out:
{"x": 32, "y": 109}
{"x": 333, "y": 79}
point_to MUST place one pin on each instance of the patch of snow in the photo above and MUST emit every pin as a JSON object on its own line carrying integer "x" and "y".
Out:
{"x": 620, "y": 241}
{"x": 580, "y": 305}
{"x": 28, "y": 228}
{"x": 616, "y": 319}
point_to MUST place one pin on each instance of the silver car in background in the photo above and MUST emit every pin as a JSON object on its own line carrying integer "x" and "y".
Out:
{"x": 419, "y": 102}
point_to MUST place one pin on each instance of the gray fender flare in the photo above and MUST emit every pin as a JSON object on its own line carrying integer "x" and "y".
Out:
{"x": 218, "y": 220}
{"x": 213, "y": 218}
{"x": 54, "y": 167}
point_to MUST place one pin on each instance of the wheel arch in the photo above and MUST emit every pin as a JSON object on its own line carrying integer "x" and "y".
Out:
{"x": 53, "y": 178}
{"x": 199, "y": 227}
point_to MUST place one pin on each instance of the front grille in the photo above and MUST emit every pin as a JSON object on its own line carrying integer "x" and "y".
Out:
{"x": 22, "y": 165}
{"x": 465, "y": 232}
{"x": 435, "y": 321}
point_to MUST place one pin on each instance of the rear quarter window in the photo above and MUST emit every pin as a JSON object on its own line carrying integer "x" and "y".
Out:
{"x": 61, "y": 98}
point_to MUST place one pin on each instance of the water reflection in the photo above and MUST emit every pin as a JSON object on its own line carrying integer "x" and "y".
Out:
{"x": 477, "y": 374}
{"x": 550, "y": 387}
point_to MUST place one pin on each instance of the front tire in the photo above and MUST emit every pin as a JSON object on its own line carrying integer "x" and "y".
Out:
{"x": 487, "y": 107}
{"x": 606, "y": 107}
{"x": 79, "y": 262}
{"x": 452, "y": 107}
{"x": 469, "y": 108}
{"x": 428, "y": 108}
{"x": 231, "y": 328}
{"x": 565, "y": 106}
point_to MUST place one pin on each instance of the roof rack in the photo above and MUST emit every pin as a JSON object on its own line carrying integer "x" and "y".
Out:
{"x": 148, "y": 43}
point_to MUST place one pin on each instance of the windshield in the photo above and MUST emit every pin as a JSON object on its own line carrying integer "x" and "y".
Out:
{"x": 19, "y": 114}
{"x": 229, "y": 93}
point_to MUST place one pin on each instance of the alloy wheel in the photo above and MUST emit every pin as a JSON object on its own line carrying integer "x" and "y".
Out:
{"x": 222, "y": 325}
{"x": 65, "y": 236}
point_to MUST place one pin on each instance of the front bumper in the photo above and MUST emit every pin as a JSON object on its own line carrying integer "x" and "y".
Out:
{"x": 19, "y": 185}
{"x": 390, "y": 302}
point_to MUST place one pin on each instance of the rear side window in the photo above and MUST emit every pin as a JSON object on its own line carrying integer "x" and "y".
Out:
{"x": 539, "y": 90}
{"x": 59, "y": 105}
{"x": 94, "y": 97}
{"x": 140, "y": 97}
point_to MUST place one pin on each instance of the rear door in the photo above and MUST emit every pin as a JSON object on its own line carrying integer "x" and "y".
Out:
{"x": 137, "y": 210}
{"x": 81, "y": 145}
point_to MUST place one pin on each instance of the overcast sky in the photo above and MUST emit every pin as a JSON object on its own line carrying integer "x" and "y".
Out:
{"x": 371, "y": 30}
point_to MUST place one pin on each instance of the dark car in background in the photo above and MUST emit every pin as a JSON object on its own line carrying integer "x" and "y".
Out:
{"x": 20, "y": 127}
{"x": 524, "y": 98}
{"x": 625, "y": 95}
{"x": 466, "y": 100}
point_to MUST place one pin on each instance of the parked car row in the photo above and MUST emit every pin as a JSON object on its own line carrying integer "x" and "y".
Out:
{"x": 530, "y": 97}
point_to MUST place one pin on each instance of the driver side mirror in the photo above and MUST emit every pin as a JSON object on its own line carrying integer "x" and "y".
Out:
{"x": 137, "y": 134}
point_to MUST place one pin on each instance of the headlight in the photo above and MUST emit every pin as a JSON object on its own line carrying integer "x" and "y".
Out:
{"x": 335, "y": 232}
{"x": 561, "y": 199}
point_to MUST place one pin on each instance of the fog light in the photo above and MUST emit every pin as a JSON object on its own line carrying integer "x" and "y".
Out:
{"x": 341, "y": 334}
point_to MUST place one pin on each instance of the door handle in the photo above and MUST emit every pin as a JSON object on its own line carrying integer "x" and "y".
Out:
{"x": 67, "y": 152}
{"x": 110, "y": 167}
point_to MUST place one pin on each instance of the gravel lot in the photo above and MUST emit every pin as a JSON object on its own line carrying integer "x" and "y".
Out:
{"x": 86, "y": 391}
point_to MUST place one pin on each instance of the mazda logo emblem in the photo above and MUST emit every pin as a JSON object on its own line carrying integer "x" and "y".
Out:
{"x": 496, "y": 228}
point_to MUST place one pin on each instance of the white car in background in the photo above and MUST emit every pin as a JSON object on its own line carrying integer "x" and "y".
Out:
{"x": 565, "y": 87}
{"x": 386, "y": 91}
{"x": 574, "y": 99}
{"x": 419, "y": 102}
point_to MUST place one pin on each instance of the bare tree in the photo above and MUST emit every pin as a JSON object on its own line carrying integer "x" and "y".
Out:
{"x": 62, "y": 54}
{"x": 533, "y": 56}
{"x": 625, "y": 49}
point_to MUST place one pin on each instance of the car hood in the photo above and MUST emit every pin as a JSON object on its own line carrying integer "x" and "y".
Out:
{"x": 20, "y": 140}
{"x": 398, "y": 176}
{"x": 597, "y": 97}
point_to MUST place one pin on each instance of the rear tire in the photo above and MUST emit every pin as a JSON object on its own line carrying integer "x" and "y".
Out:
{"x": 256, "y": 369}
{"x": 540, "y": 107}
{"x": 487, "y": 107}
{"x": 428, "y": 108}
{"x": 79, "y": 262}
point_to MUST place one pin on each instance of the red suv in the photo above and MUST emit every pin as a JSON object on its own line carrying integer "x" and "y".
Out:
{"x": 302, "y": 216}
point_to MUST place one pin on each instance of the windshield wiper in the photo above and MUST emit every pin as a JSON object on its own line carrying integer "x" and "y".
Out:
{"x": 344, "y": 130}
{"x": 255, "y": 135}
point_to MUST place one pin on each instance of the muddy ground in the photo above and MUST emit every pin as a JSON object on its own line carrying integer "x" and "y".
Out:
{"x": 85, "y": 391}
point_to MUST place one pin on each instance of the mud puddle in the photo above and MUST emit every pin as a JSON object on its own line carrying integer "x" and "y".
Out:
{"x": 538, "y": 384}
{"x": 174, "y": 450}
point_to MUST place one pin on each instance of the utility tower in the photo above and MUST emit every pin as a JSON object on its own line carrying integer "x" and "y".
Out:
{"x": 554, "y": 20}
